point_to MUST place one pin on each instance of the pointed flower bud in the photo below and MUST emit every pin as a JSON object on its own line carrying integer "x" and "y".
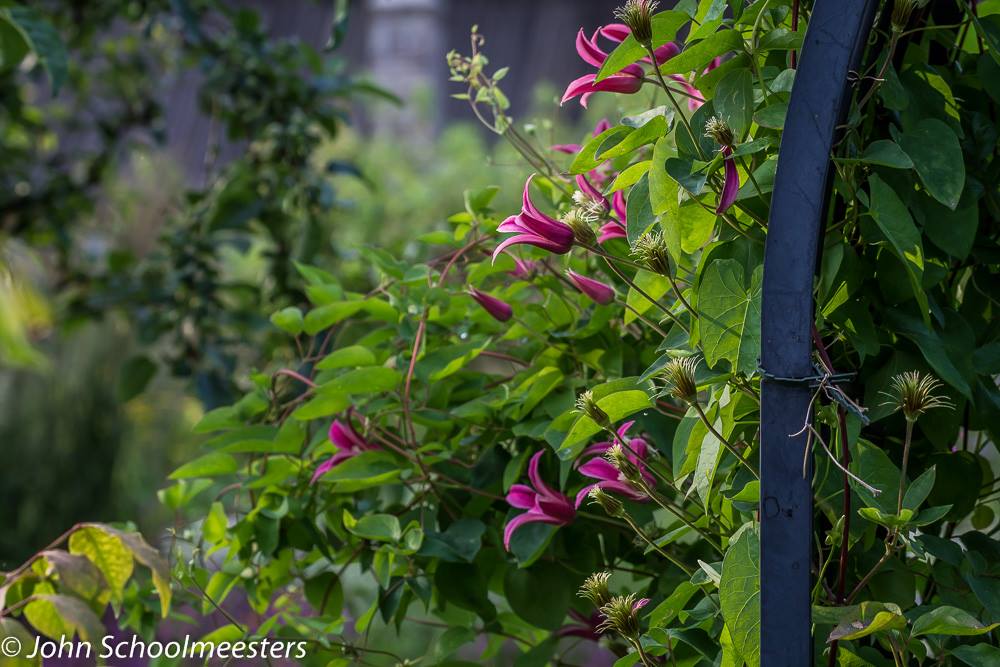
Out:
{"x": 621, "y": 614}
{"x": 595, "y": 589}
{"x": 499, "y": 310}
{"x": 651, "y": 250}
{"x": 913, "y": 393}
{"x": 901, "y": 12}
{"x": 611, "y": 505}
{"x": 679, "y": 375}
{"x": 638, "y": 16}
{"x": 595, "y": 289}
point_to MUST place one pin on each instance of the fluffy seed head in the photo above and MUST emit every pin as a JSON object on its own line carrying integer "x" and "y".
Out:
{"x": 588, "y": 406}
{"x": 718, "y": 130}
{"x": 679, "y": 375}
{"x": 580, "y": 224}
{"x": 913, "y": 393}
{"x": 611, "y": 505}
{"x": 628, "y": 470}
{"x": 901, "y": 12}
{"x": 651, "y": 250}
{"x": 638, "y": 16}
{"x": 595, "y": 589}
{"x": 621, "y": 614}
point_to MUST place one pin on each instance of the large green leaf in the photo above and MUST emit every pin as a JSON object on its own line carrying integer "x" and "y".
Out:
{"x": 639, "y": 210}
{"x": 729, "y": 315}
{"x": 937, "y": 157}
{"x": 895, "y": 223}
{"x": 734, "y": 100}
{"x": 950, "y": 621}
{"x": 540, "y": 594}
{"x": 665, "y": 26}
{"x": 695, "y": 57}
{"x": 40, "y": 37}
{"x": 980, "y": 655}
{"x": 739, "y": 595}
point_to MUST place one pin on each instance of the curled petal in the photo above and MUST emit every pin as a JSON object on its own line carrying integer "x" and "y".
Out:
{"x": 345, "y": 437}
{"x": 616, "y": 32}
{"x": 521, "y": 496}
{"x": 602, "y": 126}
{"x": 584, "y": 185}
{"x": 611, "y": 230}
{"x": 596, "y": 449}
{"x": 588, "y": 49}
{"x": 623, "y": 429}
{"x": 600, "y": 469}
{"x": 569, "y": 149}
{"x": 329, "y": 465}
{"x": 533, "y": 240}
{"x": 731, "y": 186}
{"x": 618, "y": 206}
{"x": 627, "y": 82}
{"x": 582, "y": 494}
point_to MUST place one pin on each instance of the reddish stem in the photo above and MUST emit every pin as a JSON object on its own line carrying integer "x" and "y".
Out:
{"x": 795, "y": 28}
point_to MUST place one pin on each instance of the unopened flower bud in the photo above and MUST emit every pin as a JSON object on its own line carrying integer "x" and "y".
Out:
{"x": 679, "y": 375}
{"x": 651, "y": 250}
{"x": 611, "y": 505}
{"x": 621, "y": 614}
{"x": 638, "y": 16}
{"x": 588, "y": 406}
{"x": 719, "y": 131}
{"x": 595, "y": 589}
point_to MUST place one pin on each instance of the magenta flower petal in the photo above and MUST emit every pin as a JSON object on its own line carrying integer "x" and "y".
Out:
{"x": 498, "y": 310}
{"x": 584, "y": 185}
{"x": 731, "y": 186}
{"x": 517, "y": 522}
{"x": 594, "y": 289}
{"x": 628, "y": 82}
{"x": 588, "y": 49}
{"x": 521, "y": 496}
{"x": 600, "y": 469}
{"x": 611, "y": 230}
{"x": 582, "y": 494}
{"x": 569, "y": 149}
{"x": 619, "y": 207}
{"x": 602, "y": 126}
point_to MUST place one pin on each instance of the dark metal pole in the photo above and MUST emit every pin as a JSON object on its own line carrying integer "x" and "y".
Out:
{"x": 837, "y": 31}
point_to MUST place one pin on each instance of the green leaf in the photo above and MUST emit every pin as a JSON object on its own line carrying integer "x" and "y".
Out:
{"x": 360, "y": 381}
{"x": 540, "y": 594}
{"x": 56, "y": 616}
{"x": 772, "y": 116}
{"x": 151, "y": 558}
{"x": 322, "y": 317}
{"x": 289, "y": 320}
{"x": 647, "y": 134}
{"x": 886, "y": 153}
{"x": 950, "y": 621}
{"x": 937, "y": 157}
{"x": 628, "y": 177}
{"x": 617, "y": 403}
{"x": 734, "y": 100}
{"x": 729, "y": 315}
{"x": 665, "y": 26}
{"x": 587, "y": 158}
{"x": 895, "y": 223}
{"x": 11, "y": 628}
{"x": 919, "y": 489}
{"x": 134, "y": 377}
{"x": 367, "y": 469}
{"x": 212, "y": 464}
{"x": 378, "y": 527}
{"x": 108, "y": 553}
{"x": 652, "y": 284}
{"x": 639, "y": 210}
{"x": 351, "y": 356}
{"x": 696, "y": 56}
{"x": 980, "y": 655}
{"x": 739, "y": 595}
{"x": 450, "y": 359}
{"x": 870, "y": 618}
{"x": 41, "y": 37}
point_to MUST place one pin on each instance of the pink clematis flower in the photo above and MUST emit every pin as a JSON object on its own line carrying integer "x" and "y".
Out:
{"x": 615, "y": 229}
{"x": 532, "y": 227}
{"x": 349, "y": 444}
{"x": 696, "y": 99}
{"x": 731, "y": 186}
{"x": 617, "y": 32}
{"x": 498, "y": 310}
{"x": 523, "y": 268}
{"x": 628, "y": 80}
{"x": 594, "y": 289}
{"x": 544, "y": 504}
{"x": 607, "y": 476}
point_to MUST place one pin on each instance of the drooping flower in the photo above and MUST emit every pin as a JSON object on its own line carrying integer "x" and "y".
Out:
{"x": 594, "y": 289}
{"x": 532, "y": 227}
{"x": 349, "y": 444}
{"x": 628, "y": 81}
{"x": 615, "y": 229}
{"x": 719, "y": 131}
{"x": 523, "y": 268}
{"x": 543, "y": 503}
{"x": 610, "y": 478}
{"x": 498, "y": 309}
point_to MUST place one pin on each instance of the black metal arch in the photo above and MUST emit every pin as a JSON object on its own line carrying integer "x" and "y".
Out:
{"x": 832, "y": 47}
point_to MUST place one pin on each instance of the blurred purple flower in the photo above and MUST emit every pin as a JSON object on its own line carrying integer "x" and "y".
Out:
{"x": 572, "y": 149}
{"x": 523, "y": 268}
{"x": 532, "y": 227}
{"x": 607, "y": 476}
{"x": 594, "y": 289}
{"x": 585, "y": 627}
{"x": 544, "y": 504}
{"x": 498, "y": 310}
{"x": 349, "y": 444}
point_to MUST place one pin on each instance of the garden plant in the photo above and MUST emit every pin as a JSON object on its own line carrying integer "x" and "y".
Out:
{"x": 541, "y": 438}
